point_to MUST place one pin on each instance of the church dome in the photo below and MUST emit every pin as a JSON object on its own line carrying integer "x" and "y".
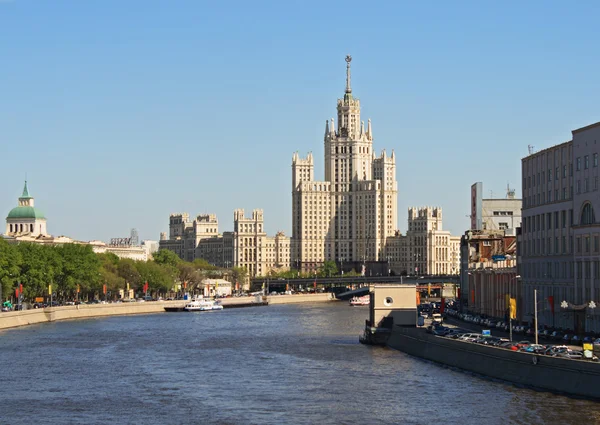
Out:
{"x": 25, "y": 212}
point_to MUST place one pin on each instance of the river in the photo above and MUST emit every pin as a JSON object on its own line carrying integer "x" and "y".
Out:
{"x": 284, "y": 364}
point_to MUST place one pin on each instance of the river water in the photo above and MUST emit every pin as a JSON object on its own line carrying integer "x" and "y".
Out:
{"x": 283, "y": 364}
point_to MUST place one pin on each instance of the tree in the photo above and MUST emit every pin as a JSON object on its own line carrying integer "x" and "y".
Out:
{"x": 10, "y": 262}
{"x": 80, "y": 266}
{"x": 129, "y": 272}
{"x": 160, "y": 278}
{"x": 328, "y": 269}
{"x": 39, "y": 268}
{"x": 164, "y": 256}
{"x": 239, "y": 275}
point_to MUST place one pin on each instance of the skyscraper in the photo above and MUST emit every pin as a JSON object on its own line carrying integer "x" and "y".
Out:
{"x": 348, "y": 216}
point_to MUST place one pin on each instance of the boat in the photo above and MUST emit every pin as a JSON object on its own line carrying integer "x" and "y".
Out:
{"x": 203, "y": 304}
{"x": 359, "y": 301}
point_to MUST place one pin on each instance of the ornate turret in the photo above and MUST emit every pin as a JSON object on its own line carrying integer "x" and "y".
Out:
{"x": 25, "y": 218}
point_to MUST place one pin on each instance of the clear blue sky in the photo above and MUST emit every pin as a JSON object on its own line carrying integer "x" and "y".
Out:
{"x": 121, "y": 112}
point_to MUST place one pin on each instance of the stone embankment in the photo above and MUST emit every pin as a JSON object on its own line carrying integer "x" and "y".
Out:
{"x": 30, "y": 317}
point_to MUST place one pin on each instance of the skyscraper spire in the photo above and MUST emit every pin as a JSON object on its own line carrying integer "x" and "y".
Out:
{"x": 348, "y": 87}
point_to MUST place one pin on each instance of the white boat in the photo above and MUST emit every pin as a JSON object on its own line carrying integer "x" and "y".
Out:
{"x": 202, "y": 304}
{"x": 358, "y": 301}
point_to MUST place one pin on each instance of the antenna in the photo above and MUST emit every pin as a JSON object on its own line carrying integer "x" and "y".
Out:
{"x": 531, "y": 149}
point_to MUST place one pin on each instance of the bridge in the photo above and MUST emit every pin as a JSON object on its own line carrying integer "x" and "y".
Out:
{"x": 346, "y": 287}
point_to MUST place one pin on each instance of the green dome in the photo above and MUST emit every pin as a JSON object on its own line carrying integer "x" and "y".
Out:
{"x": 26, "y": 212}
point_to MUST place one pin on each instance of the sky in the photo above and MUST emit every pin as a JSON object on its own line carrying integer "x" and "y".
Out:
{"x": 119, "y": 113}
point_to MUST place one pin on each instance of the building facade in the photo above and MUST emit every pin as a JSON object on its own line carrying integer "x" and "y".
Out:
{"x": 560, "y": 233}
{"x": 425, "y": 249}
{"x": 494, "y": 213}
{"x": 489, "y": 268}
{"x": 247, "y": 246}
{"x": 349, "y": 215}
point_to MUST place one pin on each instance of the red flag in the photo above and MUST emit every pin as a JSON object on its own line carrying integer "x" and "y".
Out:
{"x": 184, "y": 284}
{"x": 551, "y": 302}
{"x": 20, "y": 288}
{"x": 17, "y": 292}
{"x": 104, "y": 289}
{"x": 237, "y": 286}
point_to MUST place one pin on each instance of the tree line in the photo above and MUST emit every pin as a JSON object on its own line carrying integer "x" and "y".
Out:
{"x": 74, "y": 270}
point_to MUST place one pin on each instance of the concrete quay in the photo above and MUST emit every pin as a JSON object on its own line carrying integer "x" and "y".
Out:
{"x": 15, "y": 319}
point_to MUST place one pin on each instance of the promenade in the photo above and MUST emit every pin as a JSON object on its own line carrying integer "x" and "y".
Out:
{"x": 84, "y": 311}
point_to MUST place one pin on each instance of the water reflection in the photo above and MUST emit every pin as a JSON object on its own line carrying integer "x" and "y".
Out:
{"x": 280, "y": 364}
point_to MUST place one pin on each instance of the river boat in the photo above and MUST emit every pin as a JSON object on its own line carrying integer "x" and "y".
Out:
{"x": 360, "y": 301}
{"x": 203, "y": 304}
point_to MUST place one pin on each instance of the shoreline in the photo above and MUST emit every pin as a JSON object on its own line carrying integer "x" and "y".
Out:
{"x": 14, "y": 319}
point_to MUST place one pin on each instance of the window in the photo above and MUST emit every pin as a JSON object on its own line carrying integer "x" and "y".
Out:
{"x": 586, "y": 163}
{"x": 564, "y": 171}
{"x": 549, "y": 176}
{"x": 595, "y": 160}
{"x": 549, "y": 220}
{"x": 578, "y": 164}
{"x": 564, "y": 218}
{"x": 587, "y": 244}
{"x": 587, "y": 215}
{"x": 556, "y": 219}
{"x": 585, "y": 185}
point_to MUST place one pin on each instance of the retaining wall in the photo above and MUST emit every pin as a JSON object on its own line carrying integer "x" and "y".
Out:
{"x": 29, "y": 317}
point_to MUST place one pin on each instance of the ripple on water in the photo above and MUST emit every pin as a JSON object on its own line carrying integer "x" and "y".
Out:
{"x": 274, "y": 365}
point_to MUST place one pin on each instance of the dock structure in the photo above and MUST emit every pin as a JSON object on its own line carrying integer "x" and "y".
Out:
{"x": 389, "y": 305}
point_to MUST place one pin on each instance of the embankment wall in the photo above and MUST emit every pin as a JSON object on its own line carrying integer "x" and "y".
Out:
{"x": 554, "y": 374}
{"x": 29, "y": 317}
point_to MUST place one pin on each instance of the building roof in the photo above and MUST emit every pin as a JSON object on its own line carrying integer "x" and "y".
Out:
{"x": 26, "y": 212}
{"x": 587, "y": 127}
{"x": 25, "y": 194}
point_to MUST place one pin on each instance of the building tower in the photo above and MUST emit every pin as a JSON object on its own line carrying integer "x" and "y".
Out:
{"x": 134, "y": 238}
{"x": 25, "y": 219}
{"x": 347, "y": 217}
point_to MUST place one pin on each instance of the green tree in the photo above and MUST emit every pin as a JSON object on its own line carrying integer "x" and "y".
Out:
{"x": 39, "y": 268}
{"x": 328, "y": 269}
{"x": 239, "y": 275}
{"x": 164, "y": 256}
{"x": 160, "y": 278}
{"x": 80, "y": 266}
{"x": 128, "y": 271}
{"x": 10, "y": 262}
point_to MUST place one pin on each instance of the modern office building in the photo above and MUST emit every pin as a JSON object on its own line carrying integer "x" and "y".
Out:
{"x": 560, "y": 240}
{"x": 348, "y": 216}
